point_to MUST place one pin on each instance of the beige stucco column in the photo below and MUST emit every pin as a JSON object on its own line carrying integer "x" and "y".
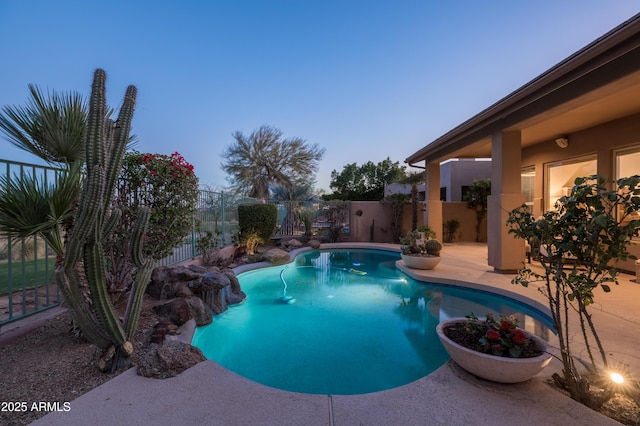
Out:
{"x": 506, "y": 254}
{"x": 433, "y": 211}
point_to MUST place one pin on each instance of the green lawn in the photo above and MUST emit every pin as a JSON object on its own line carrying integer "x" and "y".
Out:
{"x": 31, "y": 273}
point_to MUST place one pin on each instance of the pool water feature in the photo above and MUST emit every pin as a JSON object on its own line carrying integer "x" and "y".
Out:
{"x": 342, "y": 322}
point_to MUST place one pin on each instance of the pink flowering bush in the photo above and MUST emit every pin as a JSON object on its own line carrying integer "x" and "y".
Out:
{"x": 166, "y": 184}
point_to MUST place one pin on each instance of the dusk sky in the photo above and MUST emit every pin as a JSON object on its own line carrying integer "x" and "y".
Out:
{"x": 365, "y": 79}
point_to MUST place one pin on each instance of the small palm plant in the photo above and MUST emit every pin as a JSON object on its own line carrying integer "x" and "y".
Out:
{"x": 52, "y": 128}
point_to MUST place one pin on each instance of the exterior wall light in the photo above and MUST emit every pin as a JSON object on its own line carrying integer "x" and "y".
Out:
{"x": 562, "y": 142}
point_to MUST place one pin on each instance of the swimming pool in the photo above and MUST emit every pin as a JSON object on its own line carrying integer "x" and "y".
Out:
{"x": 342, "y": 322}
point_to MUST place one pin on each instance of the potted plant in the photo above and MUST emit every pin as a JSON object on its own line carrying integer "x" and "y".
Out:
{"x": 493, "y": 350}
{"x": 419, "y": 250}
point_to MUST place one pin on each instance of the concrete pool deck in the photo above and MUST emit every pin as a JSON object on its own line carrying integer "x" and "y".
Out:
{"x": 209, "y": 394}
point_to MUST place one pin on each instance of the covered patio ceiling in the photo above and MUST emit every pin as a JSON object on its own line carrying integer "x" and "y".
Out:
{"x": 598, "y": 84}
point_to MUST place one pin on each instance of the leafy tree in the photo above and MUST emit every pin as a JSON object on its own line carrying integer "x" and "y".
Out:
{"x": 366, "y": 182}
{"x": 264, "y": 158}
{"x": 579, "y": 241}
{"x": 476, "y": 199}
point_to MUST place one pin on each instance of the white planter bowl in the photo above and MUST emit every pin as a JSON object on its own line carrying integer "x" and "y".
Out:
{"x": 421, "y": 262}
{"x": 491, "y": 367}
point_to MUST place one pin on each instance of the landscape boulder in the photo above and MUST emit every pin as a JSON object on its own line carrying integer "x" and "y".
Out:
{"x": 168, "y": 360}
{"x": 276, "y": 256}
{"x": 200, "y": 312}
{"x": 177, "y": 311}
{"x": 223, "y": 256}
{"x": 292, "y": 244}
{"x": 167, "y": 280}
{"x": 314, "y": 244}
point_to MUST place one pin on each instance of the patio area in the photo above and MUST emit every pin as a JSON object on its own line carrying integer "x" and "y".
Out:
{"x": 210, "y": 394}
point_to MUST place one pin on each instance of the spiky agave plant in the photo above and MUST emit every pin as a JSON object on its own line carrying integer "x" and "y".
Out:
{"x": 84, "y": 260}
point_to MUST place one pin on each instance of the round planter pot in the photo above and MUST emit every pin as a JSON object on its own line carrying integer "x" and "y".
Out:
{"x": 421, "y": 262}
{"x": 490, "y": 367}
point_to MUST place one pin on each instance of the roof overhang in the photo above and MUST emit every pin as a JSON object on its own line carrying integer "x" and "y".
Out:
{"x": 597, "y": 84}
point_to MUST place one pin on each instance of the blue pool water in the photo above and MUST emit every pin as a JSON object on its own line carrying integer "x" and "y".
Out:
{"x": 342, "y": 322}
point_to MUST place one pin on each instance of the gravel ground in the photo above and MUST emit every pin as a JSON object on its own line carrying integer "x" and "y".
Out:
{"x": 48, "y": 365}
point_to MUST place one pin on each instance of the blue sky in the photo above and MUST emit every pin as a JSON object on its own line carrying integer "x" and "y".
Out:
{"x": 364, "y": 79}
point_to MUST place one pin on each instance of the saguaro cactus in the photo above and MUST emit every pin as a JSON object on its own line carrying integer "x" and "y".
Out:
{"x": 84, "y": 261}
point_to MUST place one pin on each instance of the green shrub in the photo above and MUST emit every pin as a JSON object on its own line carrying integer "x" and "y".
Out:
{"x": 259, "y": 218}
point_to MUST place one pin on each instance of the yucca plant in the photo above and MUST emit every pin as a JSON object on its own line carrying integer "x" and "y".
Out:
{"x": 52, "y": 128}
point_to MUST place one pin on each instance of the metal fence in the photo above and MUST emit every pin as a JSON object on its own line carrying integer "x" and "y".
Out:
{"x": 216, "y": 212}
{"x": 26, "y": 264}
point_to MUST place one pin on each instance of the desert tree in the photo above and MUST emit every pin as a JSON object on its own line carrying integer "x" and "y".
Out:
{"x": 264, "y": 158}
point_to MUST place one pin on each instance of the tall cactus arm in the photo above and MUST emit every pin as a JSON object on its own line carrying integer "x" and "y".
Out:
{"x": 132, "y": 314}
{"x": 96, "y": 120}
{"x": 119, "y": 140}
{"x": 105, "y": 312}
{"x": 143, "y": 274}
{"x": 137, "y": 236}
{"x": 92, "y": 195}
{"x": 81, "y": 314}
{"x": 111, "y": 222}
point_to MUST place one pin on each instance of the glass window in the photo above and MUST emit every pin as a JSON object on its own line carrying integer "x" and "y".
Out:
{"x": 560, "y": 177}
{"x": 464, "y": 192}
{"x": 527, "y": 181}
{"x": 443, "y": 193}
{"x": 628, "y": 162}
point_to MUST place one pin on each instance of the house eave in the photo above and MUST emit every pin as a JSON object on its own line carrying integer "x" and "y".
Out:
{"x": 607, "y": 59}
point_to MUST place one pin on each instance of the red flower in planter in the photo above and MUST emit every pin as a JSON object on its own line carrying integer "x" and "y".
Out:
{"x": 519, "y": 337}
{"x": 503, "y": 338}
{"x": 493, "y": 335}
{"x": 506, "y": 325}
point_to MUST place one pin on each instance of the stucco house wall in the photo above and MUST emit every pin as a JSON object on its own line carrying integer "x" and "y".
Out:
{"x": 370, "y": 221}
{"x": 462, "y": 172}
